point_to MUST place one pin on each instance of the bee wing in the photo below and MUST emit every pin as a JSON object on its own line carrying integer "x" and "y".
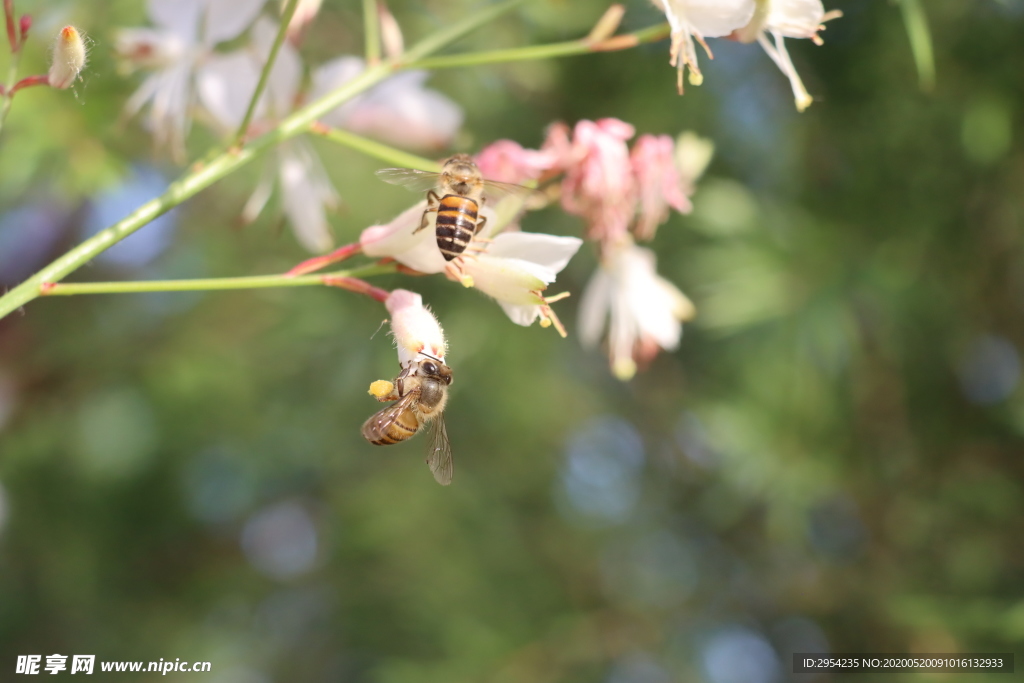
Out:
{"x": 378, "y": 423}
{"x": 496, "y": 191}
{"x": 411, "y": 179}
{"x": 439, "y": 455}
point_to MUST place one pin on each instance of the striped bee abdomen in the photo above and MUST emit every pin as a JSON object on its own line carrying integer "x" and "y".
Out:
{"x": 401, "y": 429}
{"x": 456, "y": 224}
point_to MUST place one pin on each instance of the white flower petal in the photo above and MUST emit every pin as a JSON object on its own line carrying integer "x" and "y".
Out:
{"x": 709, "y": 18}
{"x": 513, "y": 281}
{"x": 226, "y": 19}
{"x": 795, "y": 18}
{"x": 400, "y": 241}
{"x": 551, "y": 251}
{"x": 521, "y": 315}
{"x": 399, "y": 110}
{"x": 179, "y": 16}
{"x": 225, "y": 84}
{"x": 331, "y": 76}
{"x": 594, "y": 306}
{"x": 302, "y": 184}
{"x": 260, "y": 196}
{"x": 169, "y": 119}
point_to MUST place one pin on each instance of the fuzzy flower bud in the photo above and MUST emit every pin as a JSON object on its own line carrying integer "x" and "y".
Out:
{"x": 69, "y": 57}
{"x": 414, "y": 327}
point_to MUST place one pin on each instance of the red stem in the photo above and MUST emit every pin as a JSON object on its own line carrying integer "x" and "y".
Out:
{"x": 318, "y": 262}
{"x": 12, "y": 36}
{"x": 354, "y": 284}
{"x": 29, "y": 81}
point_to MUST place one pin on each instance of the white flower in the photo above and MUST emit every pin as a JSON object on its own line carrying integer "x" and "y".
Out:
{"x": 185, "y": 35}
{"x": 226, "y": 84}
{"x": 400, "y": 110}
{"x": 645, "y": 310}
{"x": 400, "y": 241}
{"x": 414, "y": 327}
{"x": 787, "y": 19}
{"x": 696, "y": 20}
{"x": 515, "y": 269}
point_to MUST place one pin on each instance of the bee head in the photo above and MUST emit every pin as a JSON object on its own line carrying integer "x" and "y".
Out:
{"x": 435, "y": 369}
{"x": 461, "y": 174}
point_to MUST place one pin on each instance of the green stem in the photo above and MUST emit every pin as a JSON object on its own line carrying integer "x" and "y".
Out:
{"x": 916, "y": 22}
{"x": 572, "y": 47}
{"x": 282, "y": 31}
{"x": 433, "y": 43}
{"x": 228, "y": 161}
{"x": 12, "y": 78}
{"x": 371, "y": 29}
{"x": 211, "y": 284}
{"x": 376, "y": 149}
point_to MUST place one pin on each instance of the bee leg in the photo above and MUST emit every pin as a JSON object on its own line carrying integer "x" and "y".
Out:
{"x": 433, "y": 203}
{"x": 481, "y": 222}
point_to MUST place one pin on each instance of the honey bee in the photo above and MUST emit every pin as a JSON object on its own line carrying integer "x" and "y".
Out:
{"x": 459, "y": 197}
{"x": 420, "y": 394}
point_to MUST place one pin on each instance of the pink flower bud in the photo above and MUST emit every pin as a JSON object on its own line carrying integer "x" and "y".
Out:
{"x": 24, "y": 24}
{"x": 414, "y": 327}
{"x": 69, "y": 57}
{"x": 508, "y": 162}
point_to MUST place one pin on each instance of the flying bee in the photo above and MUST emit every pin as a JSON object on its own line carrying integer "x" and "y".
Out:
{"x": 420, "y": 394}
{"x": 459, "y": 196}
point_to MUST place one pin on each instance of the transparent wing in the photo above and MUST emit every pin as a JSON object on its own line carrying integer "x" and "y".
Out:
{"x": 411, "y": 179}
{"x": 439, "y": 456}
{"x": 377, "y": 424}
{"x": 495, "y": 191}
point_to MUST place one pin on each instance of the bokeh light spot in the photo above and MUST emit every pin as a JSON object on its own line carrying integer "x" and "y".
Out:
{"x": 739, "y": 655}
{"x": 281, "y": 540}
{"x": 989, "y": 370}
{"x": 601, "y": 474}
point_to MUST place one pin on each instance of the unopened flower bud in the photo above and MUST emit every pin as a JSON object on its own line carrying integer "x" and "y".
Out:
{"x": 69, "y": 57}
{"x": 415, "y": 328}
{"x": 24, "y": 24}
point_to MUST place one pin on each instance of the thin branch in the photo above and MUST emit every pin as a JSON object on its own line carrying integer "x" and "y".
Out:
{"x": 29, "y": 81}
{"x": 282, "y": 31}
{"x": 456, "y": 30}
{"x": 319, "y": 262}
{"x": 395, "y": 157}
{"x": 371, "y": 31}
{"x": 211, "y": 284}
{"x": 8, "y": 98}
{"x": 920, "y": 36}
{"x": 568, "y": 48}
{"x": 12, "y": 35}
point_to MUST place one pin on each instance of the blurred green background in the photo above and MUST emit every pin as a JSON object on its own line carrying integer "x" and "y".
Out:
{"x": 832, "y": 461}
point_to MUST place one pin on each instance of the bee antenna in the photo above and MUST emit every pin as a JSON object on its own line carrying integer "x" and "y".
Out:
{"x": 429, "y": 356}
